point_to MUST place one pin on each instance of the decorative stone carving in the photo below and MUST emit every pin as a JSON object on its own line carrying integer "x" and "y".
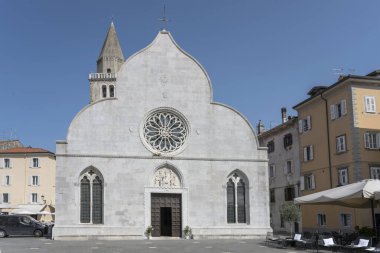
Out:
{"x": 166, "y": 178}
{"x": 164, "y": 132}
{"x": 163, "y": 79}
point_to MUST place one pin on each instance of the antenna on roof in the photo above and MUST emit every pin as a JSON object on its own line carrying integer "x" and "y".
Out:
{"x": 338, "y": 71}
{"x": 164, "y": 19}
{"x": 8, "y": 135}
{"x": 342, "y": 71}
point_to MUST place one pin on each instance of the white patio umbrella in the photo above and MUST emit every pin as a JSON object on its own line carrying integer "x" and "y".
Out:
{"x": 22, "y": 211}
{"x": 357, "y": 195}
{"x": 377, "y": 195}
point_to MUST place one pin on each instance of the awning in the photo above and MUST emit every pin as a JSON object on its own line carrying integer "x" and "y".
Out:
{"x": 5, "y": 205}
{"x": 377, "y": 195}
{"x": 361, "y": 194}
{"x": 22, "y": 211}
{"x": 27, "y": 209}
{"x": 357, "y": 195}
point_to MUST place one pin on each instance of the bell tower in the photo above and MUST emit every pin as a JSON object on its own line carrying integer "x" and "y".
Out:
{"x": 103, "y": 83}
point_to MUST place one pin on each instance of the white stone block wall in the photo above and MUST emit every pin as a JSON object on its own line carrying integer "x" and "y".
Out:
{"x": 106, "y": 135}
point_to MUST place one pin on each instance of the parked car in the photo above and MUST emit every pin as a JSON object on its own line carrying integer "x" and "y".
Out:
{"x": 21, "y": 225}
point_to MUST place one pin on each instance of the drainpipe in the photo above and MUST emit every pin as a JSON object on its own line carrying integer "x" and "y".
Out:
{"x": 328, "y": 138}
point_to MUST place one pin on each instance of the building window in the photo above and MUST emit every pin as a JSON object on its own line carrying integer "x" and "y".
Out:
{"x": 91, "y": 198}
{"x": 372, "y": 140}
{"x": 7, "y": 180}
{"x": 272, "y": 196}
{"x": 230, "y": 201}
{"x": 288, "y": 169}
{"x": 345, "y": 220}
{"x": 321, "y": 219}
{"x": 104, "y": 91}
{"x": 309, "y": 182}
{"x": 34, "y": 198}
{"x": 282, "y": 223}
{"x": 270, "y": 146}
{"x": 34, "y": 180}
{"x": 308, "y": 153}
{"x": 338, "y": 110}
{"x": 165, "y": 131}
{"x": 343, "y": 176}
{"x": 272, "y": 171}
{"x": 375, "y": 172}
{"x": 370, "y": 104}
{"x": 341, "y": 144}
{"x": 35, "y": 163}
{"x": 288, "y": 141}
{"x": 236, "y": 208}
{"x": 289, "y": 193}
{"x": 112, "y": 91}
{"x": 304, "y": 125}
{"x": 6, "y": 198}
{"x": 108, "y": 71}
{"x": 7, "y": 163}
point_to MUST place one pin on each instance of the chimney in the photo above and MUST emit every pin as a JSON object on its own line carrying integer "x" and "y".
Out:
{"x": 260, "y": 127}
{"x": 283, "y": 115}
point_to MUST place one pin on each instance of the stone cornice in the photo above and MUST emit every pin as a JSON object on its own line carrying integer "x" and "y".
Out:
{"x": 163, "y": 158}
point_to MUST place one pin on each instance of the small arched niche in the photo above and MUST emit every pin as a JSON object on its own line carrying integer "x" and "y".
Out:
{"x": 166, "y": 176}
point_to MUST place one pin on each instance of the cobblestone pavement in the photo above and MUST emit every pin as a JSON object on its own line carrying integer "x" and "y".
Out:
{"x": 37, "y": 245}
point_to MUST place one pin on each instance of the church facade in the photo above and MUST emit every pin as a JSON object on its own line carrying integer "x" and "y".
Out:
{"x": 153, "y": 149}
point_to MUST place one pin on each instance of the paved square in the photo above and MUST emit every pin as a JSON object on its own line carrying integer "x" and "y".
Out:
{"x": 34, "y": 245}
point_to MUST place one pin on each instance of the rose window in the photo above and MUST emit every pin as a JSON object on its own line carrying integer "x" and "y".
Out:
{"x": 165, "y": 131}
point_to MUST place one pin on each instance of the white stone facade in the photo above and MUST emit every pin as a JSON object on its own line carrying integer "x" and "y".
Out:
{"x": 282, "y": 178}
{"x": 108, "y": 136}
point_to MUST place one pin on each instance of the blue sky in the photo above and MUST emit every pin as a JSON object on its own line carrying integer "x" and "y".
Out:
{"x": 260, "y": 55}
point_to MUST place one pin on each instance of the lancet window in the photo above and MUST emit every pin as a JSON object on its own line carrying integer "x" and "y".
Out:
{"x": 91, "y": 197}
{"x": 236, "y": 199}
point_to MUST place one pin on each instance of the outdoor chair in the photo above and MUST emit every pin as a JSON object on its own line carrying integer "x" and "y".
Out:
{"x": 329, "y": 243}
{"x": 373, "y": 249}
{"x": 307, "y": 235}
{"x": 362, "y": 244}
{"x": 284, "y": 241}
{"x": 308, "y": 242}
{"x": 348, "y": 238}
{"x": 271, "y": 240}
{"x": 296, "y": 239}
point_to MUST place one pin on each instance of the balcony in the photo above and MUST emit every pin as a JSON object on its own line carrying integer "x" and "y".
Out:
{"x": 102, "y": 76}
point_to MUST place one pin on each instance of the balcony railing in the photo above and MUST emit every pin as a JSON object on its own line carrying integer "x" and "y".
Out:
{"x": 102, "y": 76}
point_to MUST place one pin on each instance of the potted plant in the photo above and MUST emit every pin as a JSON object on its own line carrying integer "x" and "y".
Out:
{"x": 148, "y": 232}
{"x": 187, "y": 232}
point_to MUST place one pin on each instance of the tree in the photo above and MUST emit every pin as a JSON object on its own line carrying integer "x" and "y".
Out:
{"x": 290, "y": 213}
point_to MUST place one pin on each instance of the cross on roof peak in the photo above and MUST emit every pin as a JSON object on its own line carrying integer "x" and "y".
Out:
{"x": 164, "y": 19}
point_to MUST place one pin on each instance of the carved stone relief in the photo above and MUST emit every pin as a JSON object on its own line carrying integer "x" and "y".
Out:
{"x": 166, "y": 178}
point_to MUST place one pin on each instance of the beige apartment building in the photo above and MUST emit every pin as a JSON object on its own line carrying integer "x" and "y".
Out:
{"x": 339, "y": 138}
{"x": 27, "y": 182}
